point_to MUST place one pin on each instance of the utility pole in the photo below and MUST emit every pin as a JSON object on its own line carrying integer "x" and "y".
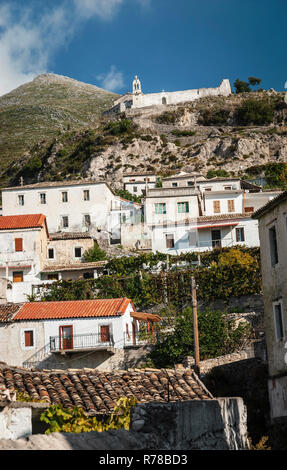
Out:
{"x": 195, "y": 326}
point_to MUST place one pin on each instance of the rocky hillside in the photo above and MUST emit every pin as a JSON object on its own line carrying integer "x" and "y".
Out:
{"x": 239, "y": 135}
{"x": 41, "y": 109}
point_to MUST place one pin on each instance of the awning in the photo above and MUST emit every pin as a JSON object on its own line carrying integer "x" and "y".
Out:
{"x": 230, "y": 224}
{"x": 141, "y": 316}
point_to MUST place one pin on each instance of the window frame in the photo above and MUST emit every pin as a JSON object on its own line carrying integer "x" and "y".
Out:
{"x": 86, "y": 194}
{"x": 183, "y": 204}
{"x": 161, "y": 205}
{"x": 275, "y": 304}
{"x": 273, "y": 246}
{"x": 18, "y": 245}
{"x": 62, "y": 221}
{"x": 21, "y": 197}
{"x": 23, "y": 339}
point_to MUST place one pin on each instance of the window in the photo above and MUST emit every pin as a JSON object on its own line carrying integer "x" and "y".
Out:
{"x": 273, "y": 245}
{"x": 86, "y": 195}
{"x": 64, "y": 196}
{"x": 65, "y": 221}
{"x": 227, "y": 188}
{"x": 174, "y": 185}
{"x": 42, "y": 198}
{"x": 230, "y": 204}
{"x": 249, "y": 209}
{"x": 78, "y": 252}
{"x": 135, "y": 189}
{"x": 169, "y": 240}
{"x": 240, "y": 237}
{"x": 29, "y": 338}
{"x": 51, "y": 254}
{"x": 192, "y": 238}
{"x": 182, "y": 207}
{"x": 18, "y": 244}
{"x": 189, "y": 183}
{"x": 105, "y": 333}
{"x": 87, "y": 220}
{"x": 278, "y": 321}
{"x": 21, "y": 200}
{"x": 216, "y": 207}
{"x": 207, "y": 189}
{"x": 160, "y": 208}
{"x": 53, "y": 277}
{"x": 18, "y": 276}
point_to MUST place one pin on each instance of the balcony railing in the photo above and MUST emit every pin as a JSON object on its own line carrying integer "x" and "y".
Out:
{"x": 80, "y": 342}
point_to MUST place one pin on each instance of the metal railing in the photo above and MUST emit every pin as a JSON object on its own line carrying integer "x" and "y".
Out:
{"x": 86, "y": 341}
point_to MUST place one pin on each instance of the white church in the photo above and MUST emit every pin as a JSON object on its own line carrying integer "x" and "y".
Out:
{"x": 137, "y": 99}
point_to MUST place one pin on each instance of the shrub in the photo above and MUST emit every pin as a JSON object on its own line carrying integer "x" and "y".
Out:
{"x": 217, "y": 173}
{"x": 254, "y": 112}
{"x": 119, "y": 127}
{"x": 94, "y": 254}
{"x": 209, "y": 117}
{"x": 60, "y": 419}
{"x": 218, "y": 335}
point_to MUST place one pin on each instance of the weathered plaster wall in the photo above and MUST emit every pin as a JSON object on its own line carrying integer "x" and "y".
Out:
{"x": 192, "y": 425}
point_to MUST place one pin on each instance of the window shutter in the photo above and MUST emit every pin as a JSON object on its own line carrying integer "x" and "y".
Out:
{"x": 230, "y": 205}
{"x": 29, "y": 340}
{"x": 216, "y": 207}
{"x": 18, "y": 244}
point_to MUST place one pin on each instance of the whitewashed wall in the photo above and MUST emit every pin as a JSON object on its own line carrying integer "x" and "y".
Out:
{"x": 98, "y": 207}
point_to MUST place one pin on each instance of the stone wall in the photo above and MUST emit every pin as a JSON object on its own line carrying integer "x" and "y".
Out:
{"x": 191, "y": 425}
{"x": 247, "y": 379}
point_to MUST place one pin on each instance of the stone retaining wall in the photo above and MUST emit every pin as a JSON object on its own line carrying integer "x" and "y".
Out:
{"x": 216, "y": 424}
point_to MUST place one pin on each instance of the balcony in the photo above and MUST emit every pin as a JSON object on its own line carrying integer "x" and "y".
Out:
{"x": 79, "y": 343}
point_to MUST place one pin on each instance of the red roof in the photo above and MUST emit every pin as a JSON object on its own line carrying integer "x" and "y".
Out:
{"x": 72, "y": 309}
{"x": 12, "y": 222}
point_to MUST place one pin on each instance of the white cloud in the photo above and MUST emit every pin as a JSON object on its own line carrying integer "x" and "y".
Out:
{"x": 26, "y": 45}
{"x": 111, "y": 81}
{"x": 104, "y": 9}
{"x": 29, "y": 39}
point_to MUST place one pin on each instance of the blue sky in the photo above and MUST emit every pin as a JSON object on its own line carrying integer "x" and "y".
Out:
{"x": 170, "y": 44}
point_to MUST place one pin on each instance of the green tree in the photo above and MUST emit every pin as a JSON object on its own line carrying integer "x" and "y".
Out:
{"x": 218, "y": 335}
{"x": 241, "y": 86}
{"x": 255, "y": 112}
{"x": 94, "y": 254}
{"x": 254, "y": 81}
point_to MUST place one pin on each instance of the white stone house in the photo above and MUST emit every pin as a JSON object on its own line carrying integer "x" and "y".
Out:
{"x": 195, "y": 214}
{"x": 272, "y": 219}
{"x": 23, "y": 248}
{"x": 70, "y": 206}
{"x": 138, "y": 183}
{"x": 80, "y": 333}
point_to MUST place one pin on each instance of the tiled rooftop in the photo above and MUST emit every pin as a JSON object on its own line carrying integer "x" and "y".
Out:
{"x": 69, "y": 235}
{"x": 97, "y": 392}
{"x": 72, "y": 309}
{"x": 7, "y": 312}
{"x": 11, "y": 222}
{"x": 74, "y": 267}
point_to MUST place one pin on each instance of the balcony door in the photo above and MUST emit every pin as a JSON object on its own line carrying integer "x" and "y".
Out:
{"x": 66, "y": 337}
{"x": 216, "y": 238}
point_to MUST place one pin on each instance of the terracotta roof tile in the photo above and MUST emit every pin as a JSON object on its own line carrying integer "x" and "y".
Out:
{"x": 72, "y": 309}
{"x": 12, "y": 222}
{"x": 98, "y": 391}
{"x": 7, "y": 312}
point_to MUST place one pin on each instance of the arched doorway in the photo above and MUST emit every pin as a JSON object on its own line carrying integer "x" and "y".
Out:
{"x": 163, "y": 100}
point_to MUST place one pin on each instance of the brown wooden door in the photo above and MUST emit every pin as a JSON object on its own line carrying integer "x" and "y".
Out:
{"x": 66, "y": 335}
{"x": 105, "y": 333}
